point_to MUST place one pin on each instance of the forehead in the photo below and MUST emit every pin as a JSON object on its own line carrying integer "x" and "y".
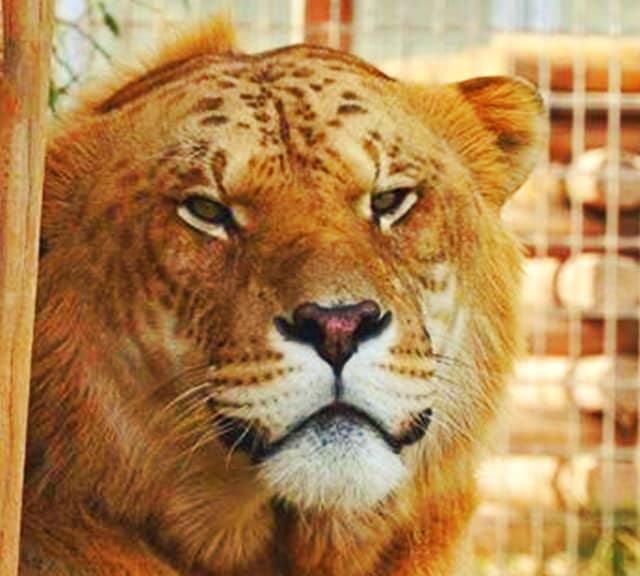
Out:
{"x": 297, "y": 106}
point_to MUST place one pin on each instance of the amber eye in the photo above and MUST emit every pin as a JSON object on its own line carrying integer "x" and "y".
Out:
{"x": 208, "y": 210}
{"x": 389, "y": 201}
{"x": 206, "y": 215}
{"x": 390, "y": 206}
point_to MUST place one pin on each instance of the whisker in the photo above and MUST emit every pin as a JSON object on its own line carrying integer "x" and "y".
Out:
{"x": 181, "y": 397}
{"x": 227, "y": 403}
{"x": 451, "y": 426}
{"x": 481, "y": 398}
{"x": 448, "y": 360}
{"x": 213, "y": 431}
{"x": 246, "y": 431}
{"x": 188, "y": 373}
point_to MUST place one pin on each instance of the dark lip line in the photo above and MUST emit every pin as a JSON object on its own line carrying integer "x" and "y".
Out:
{"x": 253, "y": 441}
{"x": 336, "y": 408}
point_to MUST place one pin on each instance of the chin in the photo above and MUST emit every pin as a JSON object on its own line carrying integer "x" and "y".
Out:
{"x": 333, "y": 464}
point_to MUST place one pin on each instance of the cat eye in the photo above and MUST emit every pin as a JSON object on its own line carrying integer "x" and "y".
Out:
{"x": 387, "y": 202}
{"x": 208, "y": 210}
{"x": 206, "y": 215}
{"x": 390, "y": 206}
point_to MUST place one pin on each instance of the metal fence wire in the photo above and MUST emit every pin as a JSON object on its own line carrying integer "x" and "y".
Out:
{"x": 561, "y": 490}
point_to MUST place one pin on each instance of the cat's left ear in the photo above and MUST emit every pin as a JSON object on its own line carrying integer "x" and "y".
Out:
{"x": 497, "y": 123}
{"x": 512, "y": 110}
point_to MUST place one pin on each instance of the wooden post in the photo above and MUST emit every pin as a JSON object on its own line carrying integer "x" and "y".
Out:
{"x": 27, "y": 26}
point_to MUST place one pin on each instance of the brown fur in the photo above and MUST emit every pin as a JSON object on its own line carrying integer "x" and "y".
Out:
{"x": 124, "y": 473}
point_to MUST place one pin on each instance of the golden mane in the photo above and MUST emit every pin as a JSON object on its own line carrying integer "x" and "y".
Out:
{"x": 129, "y": 79}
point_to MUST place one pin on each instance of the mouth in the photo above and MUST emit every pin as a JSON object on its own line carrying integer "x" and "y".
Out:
{"x": 253, "y": 439}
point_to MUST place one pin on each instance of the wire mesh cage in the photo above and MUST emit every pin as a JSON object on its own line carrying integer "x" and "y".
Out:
{"x": 561, "y": 489}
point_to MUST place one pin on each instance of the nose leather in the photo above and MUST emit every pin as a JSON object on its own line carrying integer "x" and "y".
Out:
{"x": 335, "y": 332}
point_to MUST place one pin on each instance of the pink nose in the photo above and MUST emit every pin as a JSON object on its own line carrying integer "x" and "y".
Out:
{"x": 335, "y": 332}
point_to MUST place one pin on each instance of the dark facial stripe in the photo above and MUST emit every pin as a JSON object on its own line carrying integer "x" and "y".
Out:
{"x": 158, "y": 77}
{"x": 351, "y": 109}
{"x": 208, "y": 104}
{"x": 218, "y": 165}
{"x": 214, "y": 120}
{"x": 285, "y": 134}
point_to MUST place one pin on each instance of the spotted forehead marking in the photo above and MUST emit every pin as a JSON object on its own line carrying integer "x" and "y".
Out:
{"x": 302, "y": 105}
{"x": 180, "y": 70}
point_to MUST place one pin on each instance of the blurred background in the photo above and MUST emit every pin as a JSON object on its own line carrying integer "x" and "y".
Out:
{"x": 561, "y": 489}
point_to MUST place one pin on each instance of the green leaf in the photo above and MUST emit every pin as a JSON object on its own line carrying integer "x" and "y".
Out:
{"x": 618, "y": 559}
{"x": 54, "y": 94}
{"x": 109, "y": 20}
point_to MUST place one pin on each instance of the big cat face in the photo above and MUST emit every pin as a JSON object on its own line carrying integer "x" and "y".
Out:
{"x": 300, "y": 288}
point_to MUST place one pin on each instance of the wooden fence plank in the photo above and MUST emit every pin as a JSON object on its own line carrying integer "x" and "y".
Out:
{"x": 23, "y": 101}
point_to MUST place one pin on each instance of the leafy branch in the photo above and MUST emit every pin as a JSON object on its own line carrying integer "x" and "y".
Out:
{"x": 108, "y": 20}
{"x": 97, "y": 16}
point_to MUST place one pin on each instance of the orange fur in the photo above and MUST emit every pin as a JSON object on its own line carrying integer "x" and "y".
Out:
{"x": 155, "y": 327}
